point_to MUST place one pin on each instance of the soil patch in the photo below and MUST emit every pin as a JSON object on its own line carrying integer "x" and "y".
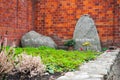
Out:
{"x": 19, "y": 76}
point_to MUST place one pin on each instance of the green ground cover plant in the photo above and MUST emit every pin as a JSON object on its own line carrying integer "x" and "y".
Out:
{"x": 30, "y": 62}
{"x": 59, "y": 60}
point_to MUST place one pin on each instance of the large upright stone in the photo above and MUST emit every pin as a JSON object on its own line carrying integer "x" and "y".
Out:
{"x": 34, "y": 39}
{"x": 85, "y": 31}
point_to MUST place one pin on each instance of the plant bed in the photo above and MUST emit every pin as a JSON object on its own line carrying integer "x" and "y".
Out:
{"x": 57, "y": 62}
{"x": 33, "y": 63}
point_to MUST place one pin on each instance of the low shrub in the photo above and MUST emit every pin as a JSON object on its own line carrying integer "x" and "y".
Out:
{"x": 12, "y": 63}
{"x": 70, "y": 42}
{"x": 29, "y": 65}
{"x": 6, "y": 58}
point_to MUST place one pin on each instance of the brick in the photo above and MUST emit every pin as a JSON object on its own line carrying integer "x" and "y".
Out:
{"x": 101, "y": 11}
{"x": 59, "y": 17}
{"x": 15, "y": 17}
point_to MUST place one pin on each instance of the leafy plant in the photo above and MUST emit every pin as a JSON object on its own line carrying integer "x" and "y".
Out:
{"x": 70, "y": 43}
{"x": 54, "y": 60}
{"x": 104, "y": 49}
{"x": 59, "y": 60}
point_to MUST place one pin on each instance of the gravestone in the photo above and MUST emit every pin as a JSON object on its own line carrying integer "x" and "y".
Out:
{"x": 85, "y": 31}
{"x": 34, "y": 39}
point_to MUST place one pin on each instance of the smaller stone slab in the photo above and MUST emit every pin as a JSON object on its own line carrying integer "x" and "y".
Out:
{"x": 34, "y": 39}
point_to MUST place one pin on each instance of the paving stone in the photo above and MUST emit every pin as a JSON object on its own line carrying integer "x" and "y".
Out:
{"x": 69, "y": 74}
{"x": 93, "y": 79}
{"x": 96, "y": 76}
{"x": 78, "y": 77}
{"x": 63, "y": 78}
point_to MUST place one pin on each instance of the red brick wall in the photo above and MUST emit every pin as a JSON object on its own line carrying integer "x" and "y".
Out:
{"x": 16, "y": 18}
{"x": 58, "y": 17}
{"x": 102, "y": 13}
{"x": 117, "y": 23}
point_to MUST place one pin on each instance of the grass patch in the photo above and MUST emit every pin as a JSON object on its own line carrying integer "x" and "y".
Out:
{"x": 59, "y": 60}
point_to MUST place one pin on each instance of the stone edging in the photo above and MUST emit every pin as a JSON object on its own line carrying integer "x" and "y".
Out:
{"x": 93, "y": 70}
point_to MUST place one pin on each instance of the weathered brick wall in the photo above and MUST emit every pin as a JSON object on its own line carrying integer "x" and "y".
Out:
{"x": 117, "y": 23}
{"x": 57, "y": 18}
{"x": 16, "y": 18}
{"x": 102, "y": 13}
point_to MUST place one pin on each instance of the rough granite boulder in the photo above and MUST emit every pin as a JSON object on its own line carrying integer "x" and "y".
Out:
{"x": 34, "y": 39}
{"x": 85, "y": 31}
